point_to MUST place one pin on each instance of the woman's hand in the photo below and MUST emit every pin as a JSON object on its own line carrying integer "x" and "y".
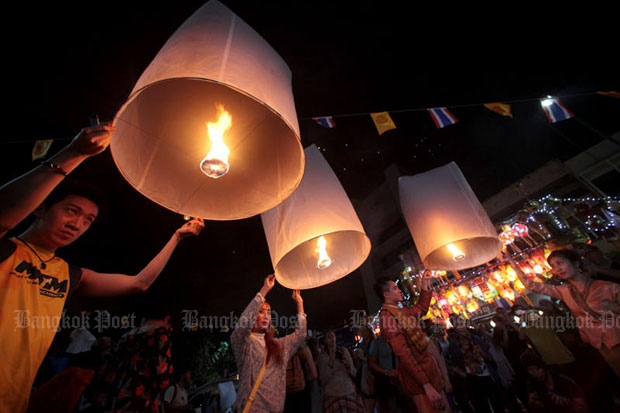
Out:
{"x": 300, "y": 302}
{"x": 268, "y": 284}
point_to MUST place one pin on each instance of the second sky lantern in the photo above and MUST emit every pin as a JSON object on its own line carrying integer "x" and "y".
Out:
{"x": 315, "y": 236}
{"x": 210, "y": 128}
{"x": 449, "y": 226}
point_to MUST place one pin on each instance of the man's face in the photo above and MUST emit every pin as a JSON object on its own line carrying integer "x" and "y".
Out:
{"x": 187, "y": 377}
{"x": 393, "y": 293}
{"x": 66, "y": 220}
{"x": 537, "y": 372}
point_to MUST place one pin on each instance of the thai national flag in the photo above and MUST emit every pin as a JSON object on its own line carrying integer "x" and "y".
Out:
{"x": 325, "y": 121}
{"x": 442, "y": 117}
{"x": 555, "y": 110}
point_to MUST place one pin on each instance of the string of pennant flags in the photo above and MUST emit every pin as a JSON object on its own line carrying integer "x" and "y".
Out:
{"x": 554, "y": 110}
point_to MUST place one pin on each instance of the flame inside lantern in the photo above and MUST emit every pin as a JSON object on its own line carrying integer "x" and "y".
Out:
{"x": 215, "y": 164}
{"x": 457, "y": 254}
{"x": 324, "y": 260}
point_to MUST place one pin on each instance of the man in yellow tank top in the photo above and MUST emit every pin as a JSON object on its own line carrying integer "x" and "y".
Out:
{"x": 34, "y": 282}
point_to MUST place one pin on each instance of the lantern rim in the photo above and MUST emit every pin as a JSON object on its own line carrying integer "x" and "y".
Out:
{"x": 434, "y": 260}
{"x": 367, "y": 247}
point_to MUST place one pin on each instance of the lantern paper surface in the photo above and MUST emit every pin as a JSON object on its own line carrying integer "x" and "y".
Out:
{"x": 213, "y": 59}
{"x": 440, "y": 209}
{"x": 319, "y": 207}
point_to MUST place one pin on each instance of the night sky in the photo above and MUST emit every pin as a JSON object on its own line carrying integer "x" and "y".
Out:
{"x": 67, "y": 61}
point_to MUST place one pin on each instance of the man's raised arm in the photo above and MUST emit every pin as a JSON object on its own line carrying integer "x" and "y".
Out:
{"x": 109, "y": 285}
{"x": 23, "y": 195}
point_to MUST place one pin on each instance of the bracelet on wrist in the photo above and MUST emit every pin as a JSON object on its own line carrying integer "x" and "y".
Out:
{"x": 54, "y": 167}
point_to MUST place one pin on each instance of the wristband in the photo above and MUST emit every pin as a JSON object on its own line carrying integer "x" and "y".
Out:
{"x": 55, "y": 168}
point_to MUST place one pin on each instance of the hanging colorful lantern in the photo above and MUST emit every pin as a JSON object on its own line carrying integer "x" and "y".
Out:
{"x": 450, "y": 227}
{"x": 491, "y": 292}
{"x": 507, "y": 293}
{"x": 519, "y": 287}
{"x": 519, "y": 229}
{"x": 436, "y": 274}
{"x": 451, "y": 297}
{"x": 315, "y": 236}
{"x": 510, "y": 273}
{"x": 477, "y": 292}
{"x": 473, "y": 306}
{"x": 507, "y": 238}
{"x": 499, "y": 277}
{"x": 210, "y": 129}
{"x": 463, "y": 292}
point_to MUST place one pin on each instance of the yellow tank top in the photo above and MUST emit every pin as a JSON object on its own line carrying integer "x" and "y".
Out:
{"x": 31, "y": 304}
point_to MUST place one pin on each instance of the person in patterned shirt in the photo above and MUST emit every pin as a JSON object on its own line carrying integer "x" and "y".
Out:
{"x": 253, "y": 345}
{"x": 138, "y": 373}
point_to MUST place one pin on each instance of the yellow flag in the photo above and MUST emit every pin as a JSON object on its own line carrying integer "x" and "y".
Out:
{"x": 40, "y": 148}
{"x": 501, "y": 108}
{"x": 383, "y": 122}
{"x": 611, "y": 94}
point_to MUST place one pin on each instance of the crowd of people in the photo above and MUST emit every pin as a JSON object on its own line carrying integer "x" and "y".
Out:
{"x": 497, "y": 364}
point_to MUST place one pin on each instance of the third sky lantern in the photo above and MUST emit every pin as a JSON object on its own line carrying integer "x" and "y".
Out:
{"x": 449, "y": 226}
{"x": 210, "y": 128}
{"x": 315, "y": 236}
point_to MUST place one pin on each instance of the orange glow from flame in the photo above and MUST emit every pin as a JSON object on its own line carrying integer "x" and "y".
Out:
{"x": 324, "y": 260}
{"x": 215, "y": 164}
{"x": 457, "y": 254}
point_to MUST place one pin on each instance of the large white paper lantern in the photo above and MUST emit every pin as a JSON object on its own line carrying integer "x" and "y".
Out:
{"x": 319, "y": 208}
{"x": 449, "y": 226}
{"x": 161, "y": 136}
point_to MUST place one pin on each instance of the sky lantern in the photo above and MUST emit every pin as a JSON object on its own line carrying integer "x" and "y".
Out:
{"x": 210, "y": 129}
{"x": 315, "y": 236}
{"x": 449, "y": 226}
